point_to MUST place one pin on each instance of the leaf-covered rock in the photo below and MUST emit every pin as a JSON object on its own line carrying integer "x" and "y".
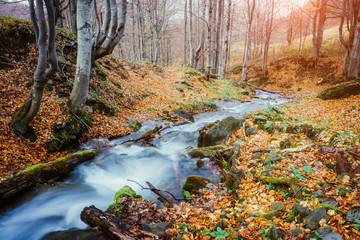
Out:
{"x": 341, "y": 91}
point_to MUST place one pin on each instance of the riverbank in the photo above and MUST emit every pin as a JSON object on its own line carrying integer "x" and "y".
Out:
{"x": 118, "y": 91}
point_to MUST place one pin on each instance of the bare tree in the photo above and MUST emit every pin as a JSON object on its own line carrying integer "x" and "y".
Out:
{"x": 185, "y": 34}
{"x": 112, "y": 29}
{"x": 250, "y": 16}
{"x": 319, "y": 20}
{"x": 79, "y": 92}
{"x": 47, "y": 55}
{"x": 209, "y": 42}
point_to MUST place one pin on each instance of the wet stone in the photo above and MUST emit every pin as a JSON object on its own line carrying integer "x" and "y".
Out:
{"x": 353, "y": 215}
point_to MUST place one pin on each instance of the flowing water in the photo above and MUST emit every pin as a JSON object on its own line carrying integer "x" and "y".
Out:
{"x": 166, "y": 166}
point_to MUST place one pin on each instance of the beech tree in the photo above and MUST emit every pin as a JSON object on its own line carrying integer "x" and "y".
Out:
{"x": 250, "y": 15}
{"x": 83, "y": 63}
{"x": 47, "y": 56}
{"x": 351, "y": 14}
{"x": 112, "y": 30}
{"x": 319, "y": 20}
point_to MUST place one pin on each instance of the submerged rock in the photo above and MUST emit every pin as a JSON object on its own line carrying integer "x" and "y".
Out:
{"x": 184, "y": 115}
{"x": 71, "y": 234}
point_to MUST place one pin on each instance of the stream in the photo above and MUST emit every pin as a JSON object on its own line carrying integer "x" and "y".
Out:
{"x": 166, "y": 166}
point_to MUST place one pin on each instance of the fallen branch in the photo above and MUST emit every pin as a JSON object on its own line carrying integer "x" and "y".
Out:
{"x": 112, "y": 225}
{"x": 42, "y": 173}
{"x": 159, "y": 192}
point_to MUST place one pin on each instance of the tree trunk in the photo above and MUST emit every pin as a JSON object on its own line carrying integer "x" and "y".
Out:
{"x": 191, "y": 37}
{"x": 213, "y": 37}
{"x": 219, "y": 34}
{"x": 73, "y": 16}
{"x": 353, "y": 56}
{"x": 250, "y": 12}
{"x": 79, "y": 92}
{"x": 209, "y": 33}
{"x": 185, "y": 34}
{"x": 42, "y": 173}
{"x": 21, "y": 120}
{"x": 112, "y": 30}
{"x": 226, "y": 43}
{"x": 321, "y": 25}
{"x": 268, "y": 31}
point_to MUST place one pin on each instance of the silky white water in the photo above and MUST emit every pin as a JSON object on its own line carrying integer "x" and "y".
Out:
{"x": 95, "y": 183}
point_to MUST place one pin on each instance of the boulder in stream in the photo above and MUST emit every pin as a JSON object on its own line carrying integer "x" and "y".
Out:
{"x": 193, "y": 184}
{"x": 217, "y": 132}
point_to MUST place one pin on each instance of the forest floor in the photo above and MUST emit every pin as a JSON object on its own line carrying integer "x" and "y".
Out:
{"x": 145, "y": 92}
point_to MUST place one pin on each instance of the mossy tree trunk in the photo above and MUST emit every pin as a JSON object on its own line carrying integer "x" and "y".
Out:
{"x": 83, "y": 63}
{"x": 47, "y": 55}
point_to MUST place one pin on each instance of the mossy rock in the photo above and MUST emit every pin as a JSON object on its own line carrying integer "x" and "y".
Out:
{"x": 203, "y": 152}
{"x": 257, "y": 82}
{"x": 341, "y": 91}
{"x": 269, "y": 127}
{"x": 272, "y": 157}
{"x": 67, "y": 134}
{"x": 217, "y": 132}
{"x": 270, "y": 214}
{"x": 331, "y": 207}
{"x": 194, "y": 183}
{"x": 291, "y": 141}
{"x": 135, "y": 124}
{"x": 117, "y": 204}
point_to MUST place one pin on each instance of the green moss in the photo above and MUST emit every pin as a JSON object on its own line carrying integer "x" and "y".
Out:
{"x": 203, "y": 152}
{"x": 57, "y": 164}
{"x": 185, "y": 193}
{"x": 194, "y": 183}
{"x": 32, "y": 170}
{"x": 116, "y": 205}
{"x": 331, "y": 207}
{"x": 341, "y": 91}
{"x": 270, "y": 214}
{"x": 292, "y": 216}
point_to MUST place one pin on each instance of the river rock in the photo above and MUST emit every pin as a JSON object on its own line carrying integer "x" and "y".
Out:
{"x": 332, "y": 236}
{"x": 301, "y": 210}
{"x": 353, "y": 215}
{"x": 324, "y": 230}
{"x": 71, "y": 234}
{"x": 193, "y": 184}
{"x": 251, "y": 131}
{"x": 157, "y": 228}
{"x": 277, "y": 206}
{"x": 135, "y": 124}
{"x": 233, "y": 177}
{"x": 296, "y": 232}
{"x": 315, "y": 216}
{"x": 272, "y": 157}
{"x": 203, "y": 152}
{"x": 331, "y": 202}
{"x": 217, "y": 132}
{"x": 184, "y": 115}
{"x": 275, "y": 233}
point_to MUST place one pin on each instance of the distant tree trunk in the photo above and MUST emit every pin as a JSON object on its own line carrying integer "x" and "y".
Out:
{"x": 112, "y": 30}
{"x": 250, "y": 14}
{"x": 191, "y": 37}
{"x": 200, "y": 50}
{"x": 83, "y": 63}
{"x": 47, "y": 52}
{"x": 58, "y": 10}
{"x": 290, "y": 30}
{"x": 219, "y": 34}
{"x": 213, "y": 38}
{"x": 140, "y": 27}
{"x": 185, "y": 34}
{"x": 225, "y": 58}
{"x": 318, "y": 27}
{"x": 268, "y": 31}
{"x": 352, "y": 45}
{"x": 73, "y": 16}
{"x": 209, "y": 33}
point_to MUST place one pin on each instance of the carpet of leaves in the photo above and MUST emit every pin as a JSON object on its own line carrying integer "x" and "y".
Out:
{"x": 241, "y": 210}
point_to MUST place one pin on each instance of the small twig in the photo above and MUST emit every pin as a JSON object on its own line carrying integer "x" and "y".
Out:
{"x": 302, "y": 186}
{"x": 156, "y": 191}
{"x": 244, "y": 131}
